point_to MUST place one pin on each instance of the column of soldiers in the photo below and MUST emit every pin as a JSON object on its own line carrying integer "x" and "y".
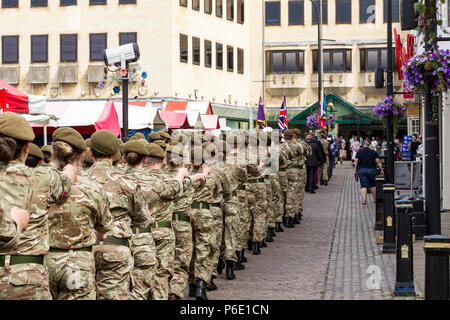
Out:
{"x": 143, "y": 220}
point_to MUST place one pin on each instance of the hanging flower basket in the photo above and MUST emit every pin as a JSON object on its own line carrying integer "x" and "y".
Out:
{"x": 389, "y": 106}
{"x": 312, "y": 122}
{"x": 331, "y": 121}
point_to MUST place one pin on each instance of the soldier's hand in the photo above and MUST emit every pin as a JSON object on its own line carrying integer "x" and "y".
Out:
{"x": 21, "y": 217}
{"x": 100, "y": 236}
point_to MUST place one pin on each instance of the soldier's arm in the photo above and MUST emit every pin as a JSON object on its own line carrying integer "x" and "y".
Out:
{"x": 140, "y": 215}
{"x": 11, "y": 224}
{"x": 104, "y": 218}
{"x": 170, "y": 189}
{"x": 60, "y": 187}
{"x": 227, "y": 194}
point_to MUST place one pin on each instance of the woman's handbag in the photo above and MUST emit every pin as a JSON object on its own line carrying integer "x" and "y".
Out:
{"x": 356, "y": 175}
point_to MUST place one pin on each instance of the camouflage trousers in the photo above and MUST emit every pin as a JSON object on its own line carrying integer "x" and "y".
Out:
{"x": 258, "y": 210}
{"x": 324, "y": 170}
{"x": 203, "y": 235}
{"x": 218, "y": 236}
{"x": 231, "y": 228}
{"x": 269, "y": 210}
{"x": 165, "y": 253}
{"x": 143, "y": 249}
{"x": 245, "y": 219}
{"x": 277, "y": 204}
{"x": 292, "y": 196}
{"x": 113, "y": 275}
{"x": 183, "y": 256}
{"x": 71, "y": 275}
{"x": 28, "y": 281}
{"x": 283, "y": 189}
{"x": 301, "y": 190}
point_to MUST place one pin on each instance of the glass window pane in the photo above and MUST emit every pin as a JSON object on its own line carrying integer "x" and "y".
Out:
{"x": 277, "y": 62}
{"x": 97, "y": 45}
{"x": 273, "y": 13}
{"x": 240, "y": 61}
{"x": 241, "y": 11}
{"x": 383, "y": 53}
{"x": 296, "y": 11}
{"x": 395, "y": 11}
{"x": 338, "y": 61}
{"x": 372, "y": 59}
{"x": 68, "y": 43}
{"x": 291, "y": 62}
{"x": 315, "y": 14}
{"x": 39, "y": 48}
{"x": 301, "y": 61}
{"x": 230, "y": 10}
{"x": 128, "y": 37}
{"x": 196, "y": 5}
{"x": 208, "y": 6}
{"x": 208, "y": 53}
{"x": 10, "y": 49}
{"x": 230, "y": 58}
{"x": 343, "y": 11}
{"x": 183, "y": 48}
{"x": 219, "y": 56}
{"x": 367, "y": 11}
{"x": 195, "y": 50}
{"x": 219, "y": 8}
{"x": 326, "y": 61}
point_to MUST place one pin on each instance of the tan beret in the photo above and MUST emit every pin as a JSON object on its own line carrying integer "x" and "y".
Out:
{"x": 15, "y": 126}
{"x": 46, "y": 148}
{"x": 288, "y": 133}
{"x": 117, "y": 156}
{"x": 174, "y": 143}
{"x": 205, "y": 144}
{"x": 71, "y": 136}
{"x": 139, "y": 135}
{"x": 161, "y": 143}
{"x": 135, "y": 146}
{"x": 87, "y": 158}
{"x": 154, "y": 136}
{"x": 197, "y": 154}
{"x": 176, "y": 149}
{"x": 88, "y": 142}
{"x": 34, "y": 150}
{"x": 133, "y": 138}
{"x": 297, "y": 132}
{"x": 105, "y": 143}
{"x": 164, "y": 135}
{"x": 155, "y": 151}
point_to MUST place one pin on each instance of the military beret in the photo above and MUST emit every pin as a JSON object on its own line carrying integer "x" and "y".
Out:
{"x": 297, "y": 132}
{"x": 88, "y": 142}
{"x": 197, "y": 154}
{"x": 116, "y": 157}
{"x": 70, "y": 136}
{"x": 154, "y": 136}
{"x": 196, "y": 140}
{"x": 288, "y": 134}
{"x": 14, "y": 126}
{"x": 161, "y": 143}
{"x": 105, "y": 142}
{"x": 135, "y": 146}
{"x": 176, "y": 149}
{"x": 174, "y": 143}
{"x": 34, "y": 150}
{"x": 139, "y": 135}
{"x": 46, "y": 148}
{"x": 87, "y": 158}
{"x": 205, "y": 144}
{"x": 155, "y": 151}
{"x": 164, "y": 135}
{"x": 133, "y": 138}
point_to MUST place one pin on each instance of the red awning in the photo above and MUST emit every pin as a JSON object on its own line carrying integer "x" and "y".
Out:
{"x": 175, "y": 120}
{"x": 203, "y": 107}
{"x": 210, "y": 121}
{"x": 12, "y": 99}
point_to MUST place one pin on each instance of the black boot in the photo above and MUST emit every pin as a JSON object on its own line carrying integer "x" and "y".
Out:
{"x": 212, "y": 286}
{"x": 289, "y": 223}
{"x": 325, "y": 182}
{"x": 278, "y": 227}
{"x": 243, "y": 258}
{"x": 229, "y": 270}
{"x": 272, "y": 231}
{"x": 300, "y": 216}
{"x": 269, "y": 236}
{"x": 192, "y": 288}
{"x": 321, "y": 182}
{"x": 296, "y": 219}
{"x": 200, "y": 290}
{"x": 250, "y": 245}
{"x": 238, "y": 265}
{"x": 220, "y": 266}
{"x": 263, "y": 244}
{"x": 256, "y": 249}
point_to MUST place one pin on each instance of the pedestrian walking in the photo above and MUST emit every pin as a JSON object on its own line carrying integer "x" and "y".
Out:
{"x": 312, "y": 162}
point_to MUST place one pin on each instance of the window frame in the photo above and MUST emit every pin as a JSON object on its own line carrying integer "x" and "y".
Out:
{"x": 186, "y": 37}
{"x": 10, "y": 4}
{"x": 199, "y": 51}
{"x": 228, "y": 59}
{"x": 373, "y": 3}
{"x": 38, "y": 4}
{"x": 240, "y": 11}
{"x": 340, "y": 7}
{"x": 61, "y": 47}
{"x": 127, "y": 33}
{"x": 232, "y": 2}
{"x": 16, "y": 60}
{"x": 348, "y": 60}
{"x": 196, "y": 8}
{"x": 364, "y": 52}
{"x": 303, "y": 12}
{"x": 324, "y": 9}
{"x": 394, "y": 20}
{"x": 219, "y": 4}
{"x": 267, "y": 4}
{"x": 43, "y": 36}
{"x": 210, "y": 6}
{"x": 183, "y": 3}
{"x": 72, "y": 3}
{"x": 300, "y": 61}
{"x": 205, "y": 51}
{"x": 217, "y": 53}
{"x": 90, "y": 45}
{"x": 240, "y": 61}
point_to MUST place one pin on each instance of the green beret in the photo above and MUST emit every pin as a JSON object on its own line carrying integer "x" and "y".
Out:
{"x": 155, "y": 151}
{"x": 161, "y": 143}
{"x": 154, "y": 136}
{"x": 133, "y": 138}
{"x": 105, "y": 143}
{"x": 139, "y": 135}
{"x": 46, "y": 148}
{"x": 34, "y": 150}
{"x": 176, "y": 149}
{"x": 14, "y": 126}
{"x": 288, "y": 134}
{"x": 135, "y": 146}
{"x": 88, "y": 142}
{"x": 297, "y": 132}
{"x": 71, "y": 136}
{"x": 164, "y": 135}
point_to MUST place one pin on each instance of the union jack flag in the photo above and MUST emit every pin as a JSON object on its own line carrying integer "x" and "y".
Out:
{"x": 282, "y": 120}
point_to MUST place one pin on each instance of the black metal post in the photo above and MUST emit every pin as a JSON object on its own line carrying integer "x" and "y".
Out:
{"x": 390, "y": 91}
{"x": 379, "y": 206}
{"x": 389, "y": 217}
{"x": 404, "y": 281}
{"x": 437, "y": 250}
{"x": 125, "y": 107}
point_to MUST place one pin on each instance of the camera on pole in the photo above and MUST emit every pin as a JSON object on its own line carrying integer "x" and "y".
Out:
{"x": 120, "y": 57}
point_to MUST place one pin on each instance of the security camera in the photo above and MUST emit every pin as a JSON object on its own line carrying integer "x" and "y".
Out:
{"x": 119, "y": 56}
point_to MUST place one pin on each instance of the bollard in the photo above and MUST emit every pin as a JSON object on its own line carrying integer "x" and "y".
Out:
{"x": 389, "y": 223}
{"x": 404, "y": 282}
{"x": 379, "y": 207}
{"x": 437, "y": 250}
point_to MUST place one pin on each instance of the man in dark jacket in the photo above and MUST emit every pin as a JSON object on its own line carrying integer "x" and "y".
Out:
{"x": 322, "y": 160}
{"x": 312, "y": 162}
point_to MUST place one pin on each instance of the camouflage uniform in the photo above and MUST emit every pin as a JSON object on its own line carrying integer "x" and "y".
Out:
{"x": 113, "y": 258}
{"x": 70, "y": 261}
{"x": 167, "y": 190}
{"x": 285, "y": 155}
{"x": 9, "y": 230}
{"x": 294, "y": 178}
{"x": 302, "y": 163}
{"x": 324, "y": 168}
{"x": 20, "y": 187}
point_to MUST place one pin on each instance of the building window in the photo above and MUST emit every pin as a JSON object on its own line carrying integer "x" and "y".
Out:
{"x": 240, "y": 61}
{"x": 97, "y": 2}
{"x": 97, "y": 43}
{"x": 184, "y": 48}
{"x": 69, "y": 47}
{"x": 273, "y": 13}
{"x": 373, "y": 58}
{"x": 10, "y": 3}
{"x": 219, "y": 56}
{"x": 240, "y": 11}
{"x": 343, "y": 11}
{"x": 39, "y": 48}
{"x": 284, "y": 62}
{"x": 208, "y": 6}
{"x": 315, "y": 14}
{"x": 414, "y": 127}
{"x": 366, "y": 11}
{"x": 208, "y": 53}
{"x": 395, "y": 11}
{"x": 65, "y": 3}
{"x": 230, "y": 10}
{"x": 196, "y": 5}
{"x": 336, "y": 60}
{"x": 296, "y": 12}
{"x": 39, "y": 3}
{"x": 195, "y": 50}
{"x": 10, "y": 49}
{"x": 183, "y": 3}
{"x": 219, "y": 8}
{"x": 127, "y": 37}
{"x": 230, "y": 58}
{"x": 127, "y": 1}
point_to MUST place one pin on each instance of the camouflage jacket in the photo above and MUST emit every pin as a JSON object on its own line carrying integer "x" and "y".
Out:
{"x": 126, "y": 200}
{"x": 184, "y": 201}
{"x": 225, "y": 193}
{"x": 71, "y": 225}
{"x": 9, "y": 230}
{"x": 235, "y": 172}
{"x": 211, "y": 191}
{"x": 326, "y": 146}
{"x": 298, "y": 150}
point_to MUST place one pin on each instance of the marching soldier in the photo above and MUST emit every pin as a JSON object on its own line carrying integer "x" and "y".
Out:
{"x": 324, "y": 170}
{"x": 302, "y": 173}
